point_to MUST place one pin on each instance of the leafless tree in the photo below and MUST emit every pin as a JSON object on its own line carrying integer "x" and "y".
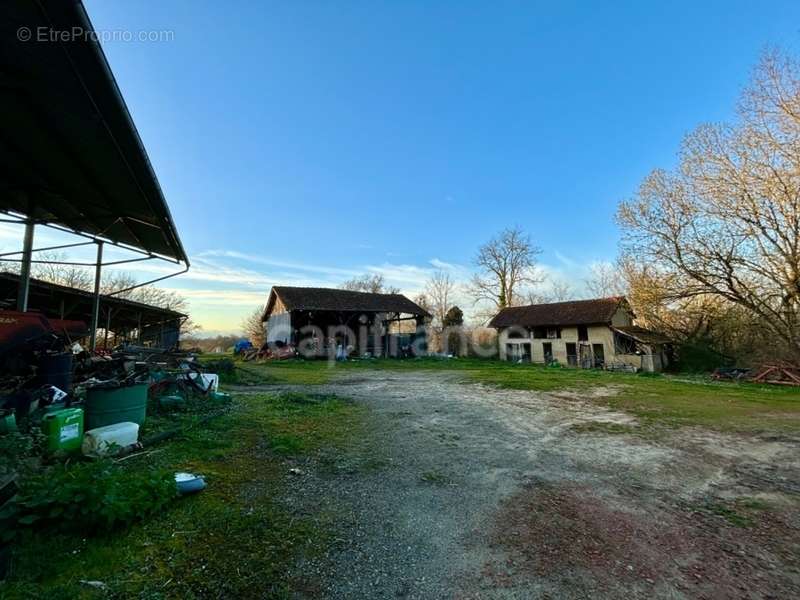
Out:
{"x": 74, "y": 276}
{"x": 253, "y": 327}
{"x": 440, "y": 289}
{"x": 560, "y": 291}
{"x": 726, "y": 223}
{"x": 507, "y": 264}
{"x": 605, "y": 280}
{"x": 375, "y": 284}
{"x": 423, "y": 301}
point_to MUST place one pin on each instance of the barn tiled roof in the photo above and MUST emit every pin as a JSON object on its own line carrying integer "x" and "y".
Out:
{"x": 574, "y": 312}
{"x": 309, "y": 298}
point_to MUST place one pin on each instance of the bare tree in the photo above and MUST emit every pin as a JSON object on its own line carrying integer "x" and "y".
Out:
{"x": 440, "y": 290}
{"x": 374, "y": 283}
{"x": 253, "y": 327}
{"x": 74, "y": 276}
{"x": 423, "y": 301}
{"x": 118, "y": 284}
{"x": 726, "y": 223}
{"x": 507, "y": 264}
{"x": 605, "y": 280}
{"x": 560, "y": 291}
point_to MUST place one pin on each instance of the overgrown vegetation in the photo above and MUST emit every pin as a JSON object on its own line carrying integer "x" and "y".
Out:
{"x": 232, "y": 540}
{"x": 89, "y": 496}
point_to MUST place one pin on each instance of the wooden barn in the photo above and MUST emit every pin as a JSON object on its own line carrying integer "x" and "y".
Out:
{"x": 325, "y": 321}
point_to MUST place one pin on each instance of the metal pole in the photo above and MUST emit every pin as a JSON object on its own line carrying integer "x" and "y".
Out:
{"x": 25, "y": 268}
{"x": 96, "y": 304}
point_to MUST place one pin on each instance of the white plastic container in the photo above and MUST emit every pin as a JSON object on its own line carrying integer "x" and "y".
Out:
{"x": 103, "y": 441}
{"x": 208, "y": 381}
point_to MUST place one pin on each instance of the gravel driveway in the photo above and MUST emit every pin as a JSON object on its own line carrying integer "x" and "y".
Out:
{"x": 462, "y": 490}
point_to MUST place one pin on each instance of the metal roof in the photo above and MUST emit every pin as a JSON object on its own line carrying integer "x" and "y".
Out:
{"x": 70, "y": 154}
{"x": 52, "y": 298}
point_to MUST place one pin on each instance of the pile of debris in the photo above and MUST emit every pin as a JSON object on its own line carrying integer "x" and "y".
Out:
{"x": 89, "y": 404}
{"x": 85, "y": 401}
{"x": 780, "y": 373}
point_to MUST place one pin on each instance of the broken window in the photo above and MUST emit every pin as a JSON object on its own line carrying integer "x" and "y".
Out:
{"x": 583, "y": 333}
{"x": 553, "y": 333}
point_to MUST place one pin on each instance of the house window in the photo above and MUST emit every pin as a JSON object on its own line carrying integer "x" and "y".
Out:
{"x": 539, "y": 333}
{"x": 518, "y": 352}
{"x": 553, "y": 333}
{"x": 583, "y": 333}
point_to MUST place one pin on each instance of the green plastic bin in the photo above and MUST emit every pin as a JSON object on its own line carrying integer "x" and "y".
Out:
{"x": 111, "y": 405}
{"x": 63, "y": 429}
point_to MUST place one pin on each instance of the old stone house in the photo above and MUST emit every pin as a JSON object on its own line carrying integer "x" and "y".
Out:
{"x": 597, "y": 333}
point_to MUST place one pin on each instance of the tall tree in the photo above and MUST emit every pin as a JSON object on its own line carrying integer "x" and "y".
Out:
{"x": 605, "y": 280}
{"x": 440, "y": 289}
{"x": 726, "y": 223}
{"x": 506, "y": 263}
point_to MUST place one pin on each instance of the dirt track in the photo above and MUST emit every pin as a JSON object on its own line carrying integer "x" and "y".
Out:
{"x": 464, "y": 491}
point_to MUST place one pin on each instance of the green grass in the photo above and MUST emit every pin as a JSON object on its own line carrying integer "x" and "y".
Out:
{"x": 663, "y": 400}
{"x": 232, "y": 540}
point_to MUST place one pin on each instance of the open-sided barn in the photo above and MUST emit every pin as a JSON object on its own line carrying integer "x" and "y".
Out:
{"x": 320, "y": 321}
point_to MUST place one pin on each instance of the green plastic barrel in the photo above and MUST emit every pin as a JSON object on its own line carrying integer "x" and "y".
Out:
{"x": 111, "y": 405}
{"x": 63, "y": 429}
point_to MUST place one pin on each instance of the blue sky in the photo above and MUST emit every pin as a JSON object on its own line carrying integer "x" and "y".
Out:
{"x": 307, "y": 141}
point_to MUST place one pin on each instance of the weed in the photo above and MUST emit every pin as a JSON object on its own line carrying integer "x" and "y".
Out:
{"x": 434, "y": 477}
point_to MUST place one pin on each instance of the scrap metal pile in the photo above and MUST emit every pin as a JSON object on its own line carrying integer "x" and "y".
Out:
{"x": 84, "y": 401}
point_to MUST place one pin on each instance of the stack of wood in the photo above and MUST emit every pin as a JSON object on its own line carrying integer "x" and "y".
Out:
{"x": 779, "y": 373}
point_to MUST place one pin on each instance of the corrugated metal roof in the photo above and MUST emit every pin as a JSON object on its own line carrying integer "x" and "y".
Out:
{"x": 70, "y": 154}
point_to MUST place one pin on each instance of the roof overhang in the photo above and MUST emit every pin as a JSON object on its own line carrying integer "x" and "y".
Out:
{"x": 70, "y": 154}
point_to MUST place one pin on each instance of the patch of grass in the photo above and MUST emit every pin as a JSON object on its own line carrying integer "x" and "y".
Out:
{"x": 604, "y": 427}
{"x": 287, "y": 443}
{"x": 434, "y": 477}
{"x": 732, "y": 516}
{"x": 233, "y": 540}
{"x": 742, "y": 512}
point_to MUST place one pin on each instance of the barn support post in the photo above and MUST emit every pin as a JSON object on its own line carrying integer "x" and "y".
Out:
{"x": 107, "y": 328}
{"x": 98, "y": 267}
{"x": 25, "y": 267}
